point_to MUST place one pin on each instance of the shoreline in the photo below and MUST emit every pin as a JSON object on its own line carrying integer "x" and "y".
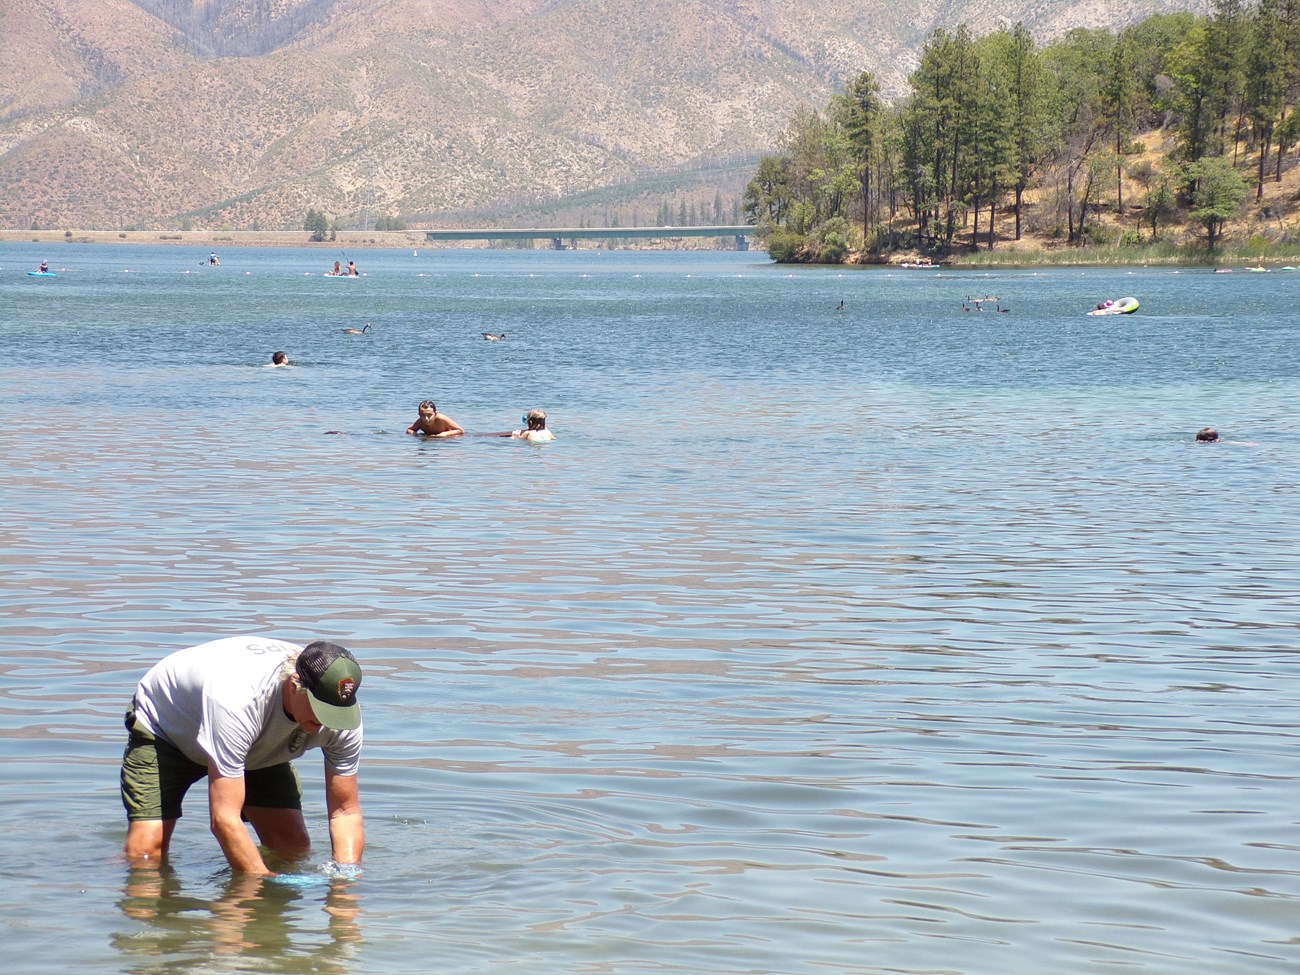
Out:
{"x": 345, "y": 239}
{"x": 1007, "y": 257}
{"x": 214, "y": 239}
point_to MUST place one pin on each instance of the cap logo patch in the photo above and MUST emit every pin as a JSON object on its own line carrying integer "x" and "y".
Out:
{"x": 347, "y": 689}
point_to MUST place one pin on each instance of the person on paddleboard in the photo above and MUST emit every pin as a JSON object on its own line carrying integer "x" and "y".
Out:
{"x": 45, "y": 267}
{"x": 238, "y": 711}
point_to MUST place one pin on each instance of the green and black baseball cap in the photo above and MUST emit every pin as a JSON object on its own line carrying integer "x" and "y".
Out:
{"x": 331, "y": 676}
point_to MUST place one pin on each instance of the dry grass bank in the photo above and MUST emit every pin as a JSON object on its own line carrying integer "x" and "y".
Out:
{"x": 1267, "y": 229}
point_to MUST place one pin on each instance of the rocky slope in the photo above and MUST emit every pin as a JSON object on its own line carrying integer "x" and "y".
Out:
{"x": 245, "y": 113}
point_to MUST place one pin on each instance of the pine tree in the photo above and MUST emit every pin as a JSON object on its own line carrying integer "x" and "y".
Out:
{"x": 317, "y": 223}
{"x": 1226, "y": 54}
{"x": 1190, "y": 96}
{"x": 1028, "y": 102}
{"x": 1118, "y": 107}
{"x": 861, "y": 120}
{"x": 1265, "y": 82}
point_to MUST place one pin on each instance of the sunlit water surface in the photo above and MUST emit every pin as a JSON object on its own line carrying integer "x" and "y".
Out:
{"x": 897, "y": 639}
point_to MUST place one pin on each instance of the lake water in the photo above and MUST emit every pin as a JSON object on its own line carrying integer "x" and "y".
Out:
{"x": 897, "y": 639}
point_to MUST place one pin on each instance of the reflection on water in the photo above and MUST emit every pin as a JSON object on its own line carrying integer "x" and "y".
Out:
{"x": 895, "y": 639}
{"x": 286, "y": 930}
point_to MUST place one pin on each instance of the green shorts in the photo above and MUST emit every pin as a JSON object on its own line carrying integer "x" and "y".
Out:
{"x": 156, "y": 775}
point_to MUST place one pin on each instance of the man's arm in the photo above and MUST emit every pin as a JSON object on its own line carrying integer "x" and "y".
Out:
{"x": 225, "y": 803}
{"x": 347, "y": 831}
{"x": 450, "y": 428}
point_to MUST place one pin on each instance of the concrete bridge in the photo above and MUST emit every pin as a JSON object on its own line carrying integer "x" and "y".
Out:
{"x": 558, "y": 235}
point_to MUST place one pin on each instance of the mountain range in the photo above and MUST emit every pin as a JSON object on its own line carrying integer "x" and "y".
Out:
{"x": 244, "y": 114}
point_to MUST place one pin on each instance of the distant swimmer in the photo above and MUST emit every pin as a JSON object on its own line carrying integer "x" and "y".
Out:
{"x": 357, "y": 331}
{"x": 279, "y": 358}
{"x": 491, "y": 337}
{"x": 431, "y": 423}
{"x": 1207, "y": 435}
{"x": 534, "y": 429}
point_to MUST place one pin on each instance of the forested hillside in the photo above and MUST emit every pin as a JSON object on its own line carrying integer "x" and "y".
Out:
{"x": 245, "y": 114}
{"x": 1097, "y": 137}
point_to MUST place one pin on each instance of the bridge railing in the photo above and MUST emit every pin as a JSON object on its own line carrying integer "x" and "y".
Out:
{"x": 557, "y": 235}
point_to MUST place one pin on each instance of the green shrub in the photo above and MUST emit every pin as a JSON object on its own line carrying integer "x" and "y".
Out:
{"x": 1100, "y": 235}
{"x": 833, "y": 249}
{"x": 785, "y": 245}
{"x": 831, "y": 242}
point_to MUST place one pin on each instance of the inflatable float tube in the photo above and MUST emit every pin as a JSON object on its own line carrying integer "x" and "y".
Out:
{"x": 1120, "y": 306}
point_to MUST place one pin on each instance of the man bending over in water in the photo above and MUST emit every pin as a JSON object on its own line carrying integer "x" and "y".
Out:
{"x": 237, "y": 711}
{"x": 431, "y": 423}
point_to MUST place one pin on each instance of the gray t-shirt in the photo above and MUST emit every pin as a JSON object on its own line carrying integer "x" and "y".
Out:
{"x": 220, "y": 702}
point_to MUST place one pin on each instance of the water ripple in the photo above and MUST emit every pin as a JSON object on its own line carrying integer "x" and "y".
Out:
{"x": 895, "y": 643}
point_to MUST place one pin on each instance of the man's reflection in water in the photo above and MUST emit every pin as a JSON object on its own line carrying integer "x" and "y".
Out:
{"x": 278, "y": 928}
